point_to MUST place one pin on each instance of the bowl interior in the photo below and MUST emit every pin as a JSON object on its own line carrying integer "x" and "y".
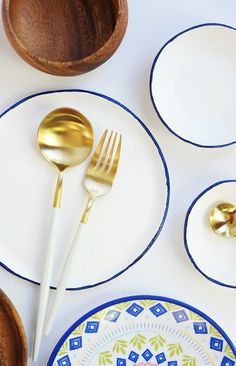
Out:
{"x": 193, "y": 82}
{"x": 63, "y": 30}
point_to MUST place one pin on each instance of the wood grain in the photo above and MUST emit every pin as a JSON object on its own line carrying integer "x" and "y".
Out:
{"x": 13, "y": 345}
{"x": 65, "y": 37}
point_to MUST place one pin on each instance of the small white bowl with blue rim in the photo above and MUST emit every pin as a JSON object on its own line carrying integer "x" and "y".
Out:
{"x": 192, "y": 85}
{"x": 212, "y": 255}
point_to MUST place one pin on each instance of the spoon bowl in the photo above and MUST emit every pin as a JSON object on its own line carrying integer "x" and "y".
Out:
{"x": 65, "y": 137}
{"x": 65, "y": 37}
{"x": 222, "y": 219}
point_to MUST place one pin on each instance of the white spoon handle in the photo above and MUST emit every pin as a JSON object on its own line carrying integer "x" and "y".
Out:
{"x": 65, "y": 277}
{"x": 45, "y": 284}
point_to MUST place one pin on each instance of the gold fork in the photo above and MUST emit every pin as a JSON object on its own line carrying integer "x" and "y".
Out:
{"x": 98, "y": 181}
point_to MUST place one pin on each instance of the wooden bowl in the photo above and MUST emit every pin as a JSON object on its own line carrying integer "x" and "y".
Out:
{"x": 13, "y": 344}
{"x": 65, "y": 37}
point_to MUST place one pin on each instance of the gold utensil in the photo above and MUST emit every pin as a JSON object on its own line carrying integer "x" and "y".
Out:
{"x": 222, "y": 219}
{"x": 98, "y": 181}
{"x": 65, "y": 138}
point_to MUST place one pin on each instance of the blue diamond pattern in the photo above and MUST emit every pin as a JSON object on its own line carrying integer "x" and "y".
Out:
{"x": 158, "y": 310}
{"x": 180, "y": 316}
{"x": 200, "y": 328}
{"x": 172, "y": 363}
{"x": 133, "y": 356}
{"x": 75, "y": 343}
{"x": 92, "y": 327}
{"x": 147, "y": 355}
{"x": 112, "y": 315}
{"x": 227, "y": 362}
{"x": 64, "y": 361}
{"x": 120, "y": 362}
{"x": 216, "y": 344}
{"x": 160, "y": 358}
{"x": 134, "y": 309}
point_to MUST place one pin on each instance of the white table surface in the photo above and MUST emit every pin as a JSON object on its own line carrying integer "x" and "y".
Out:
{"x": 165, "y": 270}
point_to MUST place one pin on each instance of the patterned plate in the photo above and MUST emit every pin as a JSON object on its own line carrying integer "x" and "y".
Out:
{"x": 144, "y": 331}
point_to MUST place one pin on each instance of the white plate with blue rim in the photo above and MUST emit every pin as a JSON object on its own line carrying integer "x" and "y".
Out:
{"x": 212, "y": 255}
{"x": 122, "y": 226}
{"x": 192, "y": 85}
{"x": 144, "y": 331}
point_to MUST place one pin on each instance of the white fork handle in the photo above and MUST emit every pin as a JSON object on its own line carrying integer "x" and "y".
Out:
{"x": 45, "y": 284}
{"x": 64, "y": 279}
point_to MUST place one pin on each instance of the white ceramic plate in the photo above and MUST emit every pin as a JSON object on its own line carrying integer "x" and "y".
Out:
{"x": 212, "y": 255}
{"x": 144, "y": 331}
{"x": 123, "y": 224}
{"x": 193, "y": 82}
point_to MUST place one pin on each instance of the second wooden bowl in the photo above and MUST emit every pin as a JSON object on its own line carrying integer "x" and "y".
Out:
{"x": 13, "y": 344}
{"x": 65, "y": 37}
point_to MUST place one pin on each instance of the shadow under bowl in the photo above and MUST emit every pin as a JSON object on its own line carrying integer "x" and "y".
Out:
{"x": 65, "y": 37}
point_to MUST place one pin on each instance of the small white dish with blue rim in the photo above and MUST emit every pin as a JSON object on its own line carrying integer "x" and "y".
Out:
{"x": 212, "y": 255}
{"x": 144, "y": 331}
{"x": 124, "y": 225}
{"x": 192, "y": 85}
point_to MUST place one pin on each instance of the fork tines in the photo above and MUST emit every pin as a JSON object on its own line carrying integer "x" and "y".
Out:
{"x": 107, "y": 154}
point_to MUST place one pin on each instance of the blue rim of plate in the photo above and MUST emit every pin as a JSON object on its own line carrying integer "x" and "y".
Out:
{"x": 165, "y": 123}
{"x": 167, "y": 178}
{"x": 186, "y": 229}
{"x": 134, "y": 298}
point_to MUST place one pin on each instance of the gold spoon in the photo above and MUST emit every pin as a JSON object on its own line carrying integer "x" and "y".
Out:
{"x": 222, "y": 219}
{"x": 65, "y": 138}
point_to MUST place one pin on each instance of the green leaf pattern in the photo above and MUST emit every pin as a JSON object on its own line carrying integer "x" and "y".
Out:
{"x": 157, "y": 342}
{"x": 175, "y": 349}
{"x": 194, "y": 316}
{"x": 148, "y": 303}
{"x": 79, "y": 330}
{"x": 64, "y": 349}
{"x": 138, "y": 341}
{"x": 123, "y": 305}
{"x": 188, "y": 361}
{"x": 120, "y": 346}
{"x": 100, "y": 315}
{"x": 228, "y": 351}
{"x": 214, "y": 332}
{"x": 172, "y": 307}
{"x": 105, "y": 358}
